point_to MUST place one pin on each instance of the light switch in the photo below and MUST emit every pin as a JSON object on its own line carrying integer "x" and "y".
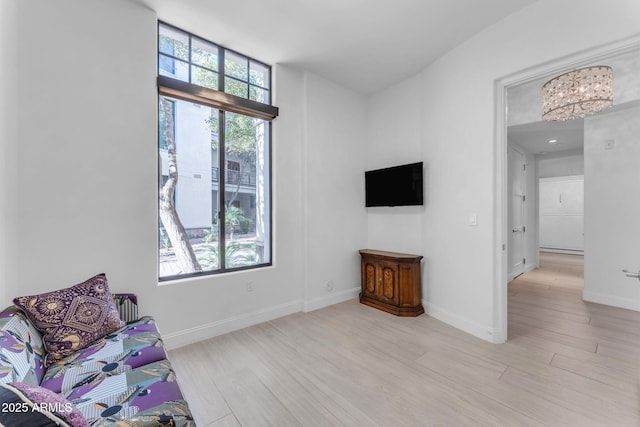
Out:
{"x": 473, "y": 218}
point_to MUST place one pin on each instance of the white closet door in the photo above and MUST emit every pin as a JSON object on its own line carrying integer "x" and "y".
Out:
{"x": 562, "y": 213}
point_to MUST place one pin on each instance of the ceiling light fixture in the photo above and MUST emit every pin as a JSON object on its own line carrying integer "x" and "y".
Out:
{"x": 553, "y": 141}
{"x": 577, "y": 94}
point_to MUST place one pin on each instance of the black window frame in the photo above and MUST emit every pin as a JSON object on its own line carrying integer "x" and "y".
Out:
{"x": 223, "y": 102}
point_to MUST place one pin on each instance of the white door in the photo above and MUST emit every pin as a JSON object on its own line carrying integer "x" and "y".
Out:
{"x": 516, "y": 212}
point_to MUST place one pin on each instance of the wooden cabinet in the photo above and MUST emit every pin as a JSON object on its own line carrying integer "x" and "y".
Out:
{"x": 391, "y": 282}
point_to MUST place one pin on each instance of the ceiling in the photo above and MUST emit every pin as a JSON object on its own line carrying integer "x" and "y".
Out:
{"x": 542, "y": 137}
{"x": 360, "y": 44}
{"x": 535, "y": 137}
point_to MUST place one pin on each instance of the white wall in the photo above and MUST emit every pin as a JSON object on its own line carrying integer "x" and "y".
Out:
{"x": 612, "y": 208}
{"x": 394, "y": 137}
{"x": 456, "y": 130}
{"x": 564, "y": 163}
{"x": 334, "y": 200}
{"x": 87, "y": 171}
{"x": 87, "y": 153}
{"x": 8, "y": 147}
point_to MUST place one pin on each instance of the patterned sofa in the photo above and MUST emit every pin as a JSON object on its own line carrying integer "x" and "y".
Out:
{"x": 123, "y": 378}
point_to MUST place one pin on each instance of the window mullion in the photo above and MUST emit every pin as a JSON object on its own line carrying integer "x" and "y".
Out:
{"x": 222, "y": 179}
{"x": 246, "y": 67}
{"x": 221, "y": 70}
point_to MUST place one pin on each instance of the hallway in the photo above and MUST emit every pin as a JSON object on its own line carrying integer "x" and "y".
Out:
{"x": 594, "y": 341}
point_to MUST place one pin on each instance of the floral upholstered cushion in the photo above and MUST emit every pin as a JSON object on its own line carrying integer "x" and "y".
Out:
{"x": 145, "y": 396}
{"x": 21, "y": 348}
{"x": 72, "y": 318}
{"x": 137, "y": 344}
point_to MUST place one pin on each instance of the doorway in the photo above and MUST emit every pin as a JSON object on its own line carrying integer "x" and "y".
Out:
{"x": 503, "y": 195}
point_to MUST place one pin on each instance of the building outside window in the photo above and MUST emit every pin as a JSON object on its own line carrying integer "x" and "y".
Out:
{"x": 214, "y": 139}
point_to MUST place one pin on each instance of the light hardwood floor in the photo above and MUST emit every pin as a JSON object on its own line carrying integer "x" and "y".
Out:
{"x": 566, "y": 363}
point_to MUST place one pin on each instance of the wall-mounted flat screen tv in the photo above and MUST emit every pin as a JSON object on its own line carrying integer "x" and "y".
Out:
{"x": 394, "y": 186}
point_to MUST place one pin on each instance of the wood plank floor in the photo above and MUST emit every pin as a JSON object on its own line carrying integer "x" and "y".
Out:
{"x": 567, "y": 363}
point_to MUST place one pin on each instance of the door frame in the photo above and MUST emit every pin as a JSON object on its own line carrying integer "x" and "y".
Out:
{"x": 523, "y": 242}
{"x": 548, "y": 69}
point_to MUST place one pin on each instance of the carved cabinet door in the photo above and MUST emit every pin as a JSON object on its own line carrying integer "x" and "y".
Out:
{"x": 369, "y": 278}
{"x": 387, "y": 281}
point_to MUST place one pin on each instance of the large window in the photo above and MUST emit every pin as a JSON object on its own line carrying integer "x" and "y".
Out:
{"x": 214, "y": 138}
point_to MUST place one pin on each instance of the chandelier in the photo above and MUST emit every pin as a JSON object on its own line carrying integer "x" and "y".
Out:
{"x": 577, "y": 94}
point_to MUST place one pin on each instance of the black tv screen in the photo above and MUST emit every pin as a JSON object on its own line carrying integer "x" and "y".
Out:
{"x": 394, "y": 186}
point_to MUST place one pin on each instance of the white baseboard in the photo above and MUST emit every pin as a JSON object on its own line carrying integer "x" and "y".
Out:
{"x": 527, "y": 268}
{"x": 332, "y": 298}
{"x": 563, "y": 251}
{"x": 464, "y": 324}
{"x": 223, "y": 326}
{"x": 220, "y": 327}
{"x": 612, "y": 300}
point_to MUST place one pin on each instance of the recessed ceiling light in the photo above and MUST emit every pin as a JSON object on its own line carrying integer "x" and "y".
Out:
{"x": 553, "y": 141}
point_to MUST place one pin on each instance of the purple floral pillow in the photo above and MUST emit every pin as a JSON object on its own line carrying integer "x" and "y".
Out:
{"x": 31, "y": 400}
{"x": 72, "y": 318}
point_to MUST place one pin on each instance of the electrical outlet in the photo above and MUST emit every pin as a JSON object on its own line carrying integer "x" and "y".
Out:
{"x": 250, "y": 287}
{"x": 473, "y": 219}
{"x": 329, "y": 286}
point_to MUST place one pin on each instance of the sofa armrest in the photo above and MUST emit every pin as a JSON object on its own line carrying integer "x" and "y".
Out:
{"x": 127, "y": 305}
